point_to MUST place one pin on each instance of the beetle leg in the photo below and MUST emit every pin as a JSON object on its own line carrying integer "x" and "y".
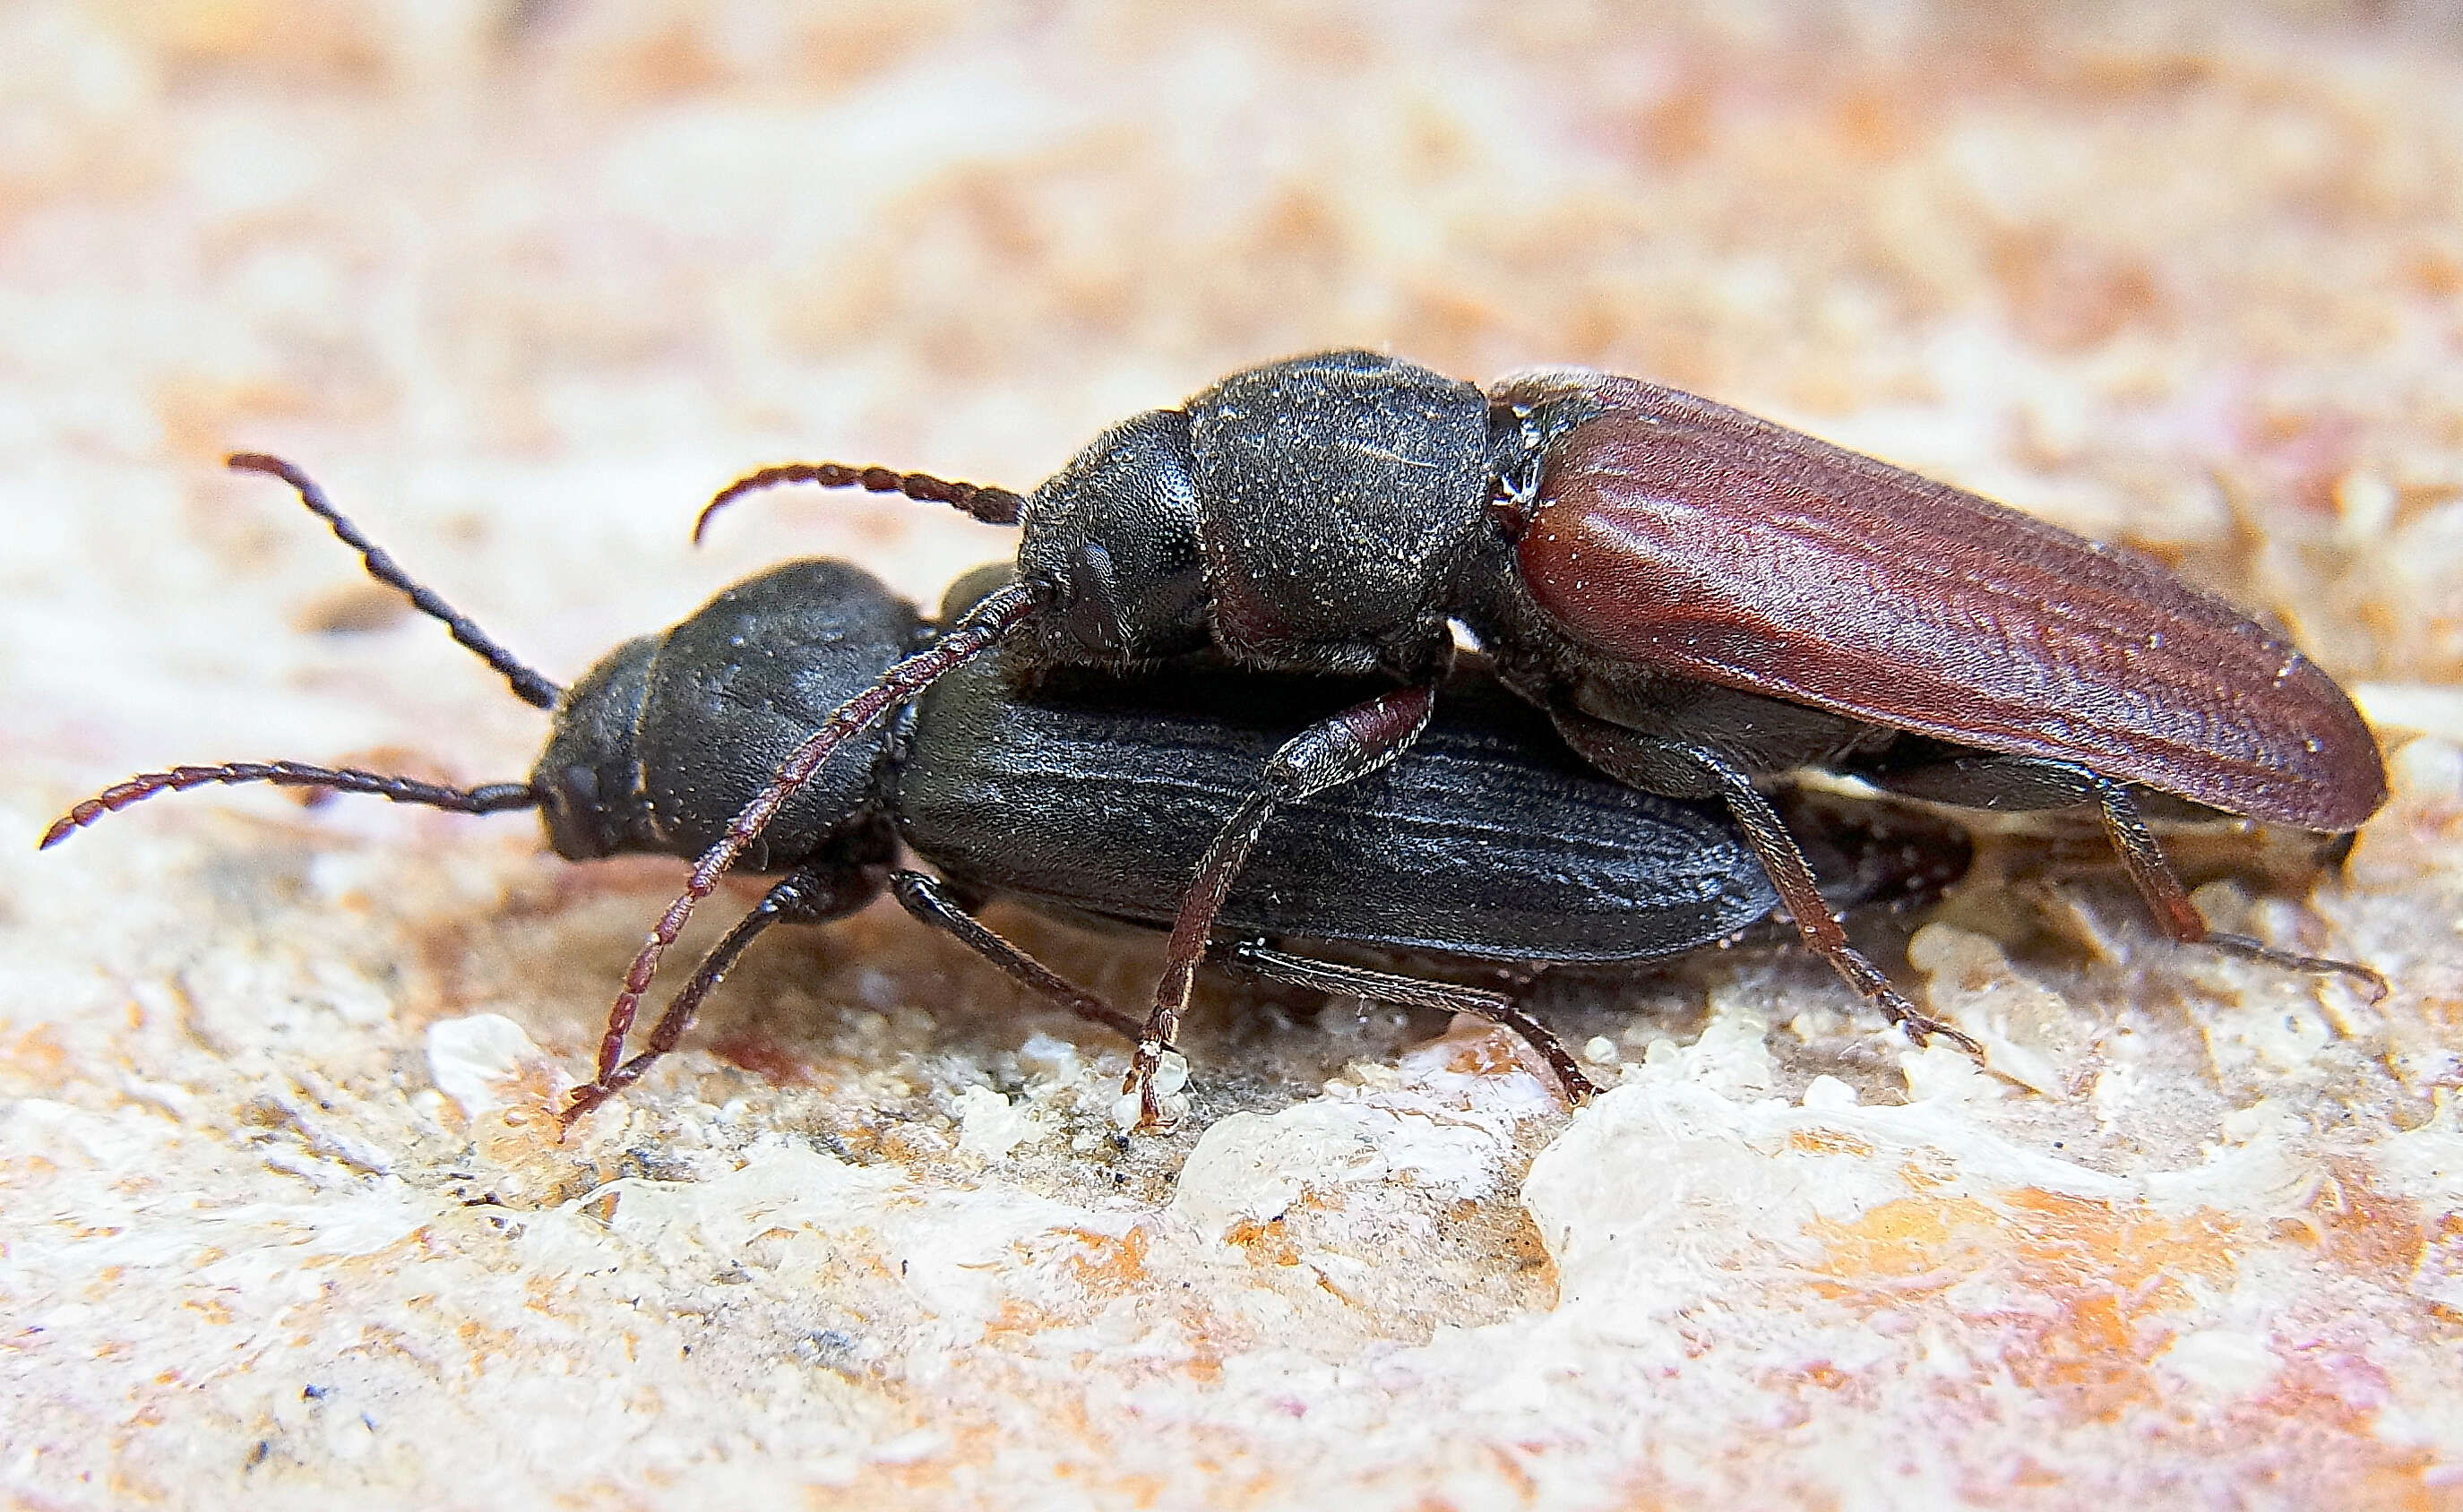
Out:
{"x": 933, "y": 901}
{"x": 2027, "y": 783}
{"x": 1341, "y": 749}
{"x": 807, "y": 897}
{"x": 2162, "y": 888}
{"x": 1629, "y": 756}
{"x": 1414, "y": 992}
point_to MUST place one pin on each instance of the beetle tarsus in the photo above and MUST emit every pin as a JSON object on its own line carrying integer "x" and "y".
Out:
{"x": 2375, "y": 982}
{"x": 1924, "y": 1027}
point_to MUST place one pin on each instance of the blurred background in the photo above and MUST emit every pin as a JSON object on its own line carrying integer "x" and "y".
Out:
{"x": 524, "y": 280}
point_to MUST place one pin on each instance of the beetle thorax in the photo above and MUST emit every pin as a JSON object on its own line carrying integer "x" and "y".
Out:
{"x": 672, "y": 734}
{"x": 1310, "y": 513}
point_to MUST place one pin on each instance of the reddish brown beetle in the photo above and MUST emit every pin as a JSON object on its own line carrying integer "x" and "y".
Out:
{"x": 1696, "y": 540}
{"x": 1700, "y": 598}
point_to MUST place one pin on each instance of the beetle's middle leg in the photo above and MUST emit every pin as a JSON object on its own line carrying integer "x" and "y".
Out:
{"x": 935, "y": 902}
{"x": 2021, "y": 783}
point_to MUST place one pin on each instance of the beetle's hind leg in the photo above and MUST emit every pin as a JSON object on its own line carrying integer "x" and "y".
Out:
{"x": 2019, "y": 783}
{"x": 2162, "y": 888}
{"x": 1650, "y": 763}
{"x": 1415, "y": 992}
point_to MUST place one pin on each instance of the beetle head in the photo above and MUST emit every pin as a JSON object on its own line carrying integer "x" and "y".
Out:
{"x": 588, "y": 779}
{"x": 1110, "y": 548}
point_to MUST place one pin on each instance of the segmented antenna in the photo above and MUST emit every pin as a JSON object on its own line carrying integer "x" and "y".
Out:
{"x": 494, "y": 798}
{"x": 991, "y": 506}
{"x": 985, "y": 626}
{"x": 528, "y": 685}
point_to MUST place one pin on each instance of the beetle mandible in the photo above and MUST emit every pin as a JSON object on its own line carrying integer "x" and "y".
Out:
{"x": 1699, "y": 599}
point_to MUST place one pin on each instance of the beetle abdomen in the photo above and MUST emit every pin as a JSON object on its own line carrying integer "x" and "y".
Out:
{"x": 1706, "y": 543}
{"x": 1490, "y": 841}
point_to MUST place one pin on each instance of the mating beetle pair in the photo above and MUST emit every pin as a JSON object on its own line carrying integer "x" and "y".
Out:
{"x": 1698, "y": 600}
{"x": 1696, "y": 597}
{"x": 1092, "y": 797}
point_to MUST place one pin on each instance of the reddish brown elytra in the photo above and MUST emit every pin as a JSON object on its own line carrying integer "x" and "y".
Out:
{"x": 1696, "y": 539}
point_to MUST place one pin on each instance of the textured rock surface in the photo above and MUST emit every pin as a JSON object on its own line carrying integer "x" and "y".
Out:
{"x": 285, "y": 1219}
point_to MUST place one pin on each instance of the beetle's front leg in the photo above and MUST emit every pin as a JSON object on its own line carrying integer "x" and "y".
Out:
{"x": 808, "y": 896}
{"x": 1341, "y": 749}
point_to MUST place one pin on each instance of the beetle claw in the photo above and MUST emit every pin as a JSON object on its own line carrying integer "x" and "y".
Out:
{"x": 1922, "y": 1028}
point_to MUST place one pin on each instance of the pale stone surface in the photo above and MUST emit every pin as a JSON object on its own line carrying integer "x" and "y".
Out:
{"x": 285, "y": 1218}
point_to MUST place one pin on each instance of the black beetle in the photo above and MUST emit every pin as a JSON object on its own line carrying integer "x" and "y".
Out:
{"x": 1092, "y": 798}
{"x": 1698, "y": 598}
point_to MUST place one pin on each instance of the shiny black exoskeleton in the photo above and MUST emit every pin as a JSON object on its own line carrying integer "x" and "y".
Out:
{"x": 1088, "y": 796}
